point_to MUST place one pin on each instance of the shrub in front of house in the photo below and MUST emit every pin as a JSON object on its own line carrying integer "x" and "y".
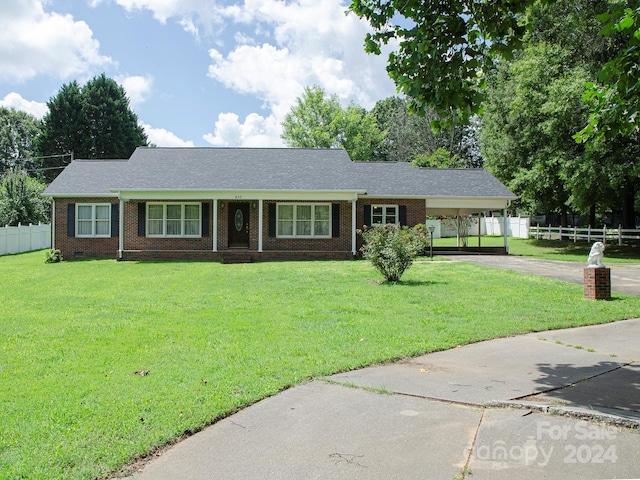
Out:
{"x": 390, "y": 248}
{"x": 53, "y": 256}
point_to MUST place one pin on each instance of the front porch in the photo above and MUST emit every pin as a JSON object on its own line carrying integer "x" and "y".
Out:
{"x": 232, "y": 255}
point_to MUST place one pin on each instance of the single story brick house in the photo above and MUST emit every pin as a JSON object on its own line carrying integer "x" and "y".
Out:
{"x": 249, "y": 204}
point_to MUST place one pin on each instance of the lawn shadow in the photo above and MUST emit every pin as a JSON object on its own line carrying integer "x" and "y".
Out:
{"x": 582, "y": 248}
{"x": 411, "y": 283}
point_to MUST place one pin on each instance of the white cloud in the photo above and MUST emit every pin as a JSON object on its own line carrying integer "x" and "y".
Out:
{"x": 279, "y": 47}
{"x": 15, "y": 100}
{"x": 164, "y": 138}
{"x": 256, "y": 131}
{"x": 313, "y": 43}
{"x": 34, "y": 42}
{"x": 137, "y": 88}
{"x": 190, "y": 14}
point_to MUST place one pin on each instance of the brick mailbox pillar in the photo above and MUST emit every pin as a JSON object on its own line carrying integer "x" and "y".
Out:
{"x": 597, "y": 283}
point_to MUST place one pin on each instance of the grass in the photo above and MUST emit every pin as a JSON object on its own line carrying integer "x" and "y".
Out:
{"x": 76, "y": 337}
{"x": 564, "y": 250}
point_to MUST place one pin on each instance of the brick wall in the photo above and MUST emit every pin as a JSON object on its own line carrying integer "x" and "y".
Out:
{"x": 339, "y": 244}
{"x": 132, "y": 241}
{"x": 416, "y": 211}
{"x": 143, "y": 247}
{"x": 597, "y": 283}
{"x": 73, "y": 247}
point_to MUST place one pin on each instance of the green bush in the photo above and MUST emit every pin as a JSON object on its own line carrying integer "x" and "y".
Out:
{"x": 53, "y": 256}
{"x": 390, "y": 248}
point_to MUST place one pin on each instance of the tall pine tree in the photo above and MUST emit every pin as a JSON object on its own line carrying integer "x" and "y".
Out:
{"x": 91, "y": 122}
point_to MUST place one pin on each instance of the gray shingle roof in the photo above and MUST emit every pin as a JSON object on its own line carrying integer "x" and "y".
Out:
{"x": 284, "y": 169}
{"x": 87, "y": 177}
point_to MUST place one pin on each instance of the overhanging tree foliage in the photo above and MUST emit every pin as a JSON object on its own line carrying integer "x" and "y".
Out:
{"x": 91, "y": 122}
{"x": 615, "y": 99}
{"x": 18, "y": 132}
{"x": 443, "y": 49}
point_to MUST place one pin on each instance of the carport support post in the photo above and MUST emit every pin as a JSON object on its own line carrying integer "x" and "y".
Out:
{"x": 504, "y": 229}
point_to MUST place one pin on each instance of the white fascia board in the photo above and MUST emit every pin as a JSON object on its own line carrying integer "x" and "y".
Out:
{"x": 229, "y": 195}
{"x": 80, "y": 195}
{"x": 477, "y": 204}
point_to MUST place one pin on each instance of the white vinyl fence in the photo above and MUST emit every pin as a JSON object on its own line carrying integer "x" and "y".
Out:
{"x": 604, "y": 235}
{"x": 516, "y": 227}
{"x": 24, "y": 238}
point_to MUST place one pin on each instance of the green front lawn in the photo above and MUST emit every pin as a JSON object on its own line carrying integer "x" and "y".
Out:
{"x": 102, "y": 361}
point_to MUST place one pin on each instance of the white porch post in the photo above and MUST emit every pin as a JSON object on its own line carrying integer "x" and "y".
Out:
{"x": 353, "y": 227}
{"x": 458, "y": 229}
{"x": 260, "y": 225}
{"x": 53, "y": 224}
{"x": 215, "y": 224}
{"x": 121, "y": 229}
{"x": 504, "y": 229}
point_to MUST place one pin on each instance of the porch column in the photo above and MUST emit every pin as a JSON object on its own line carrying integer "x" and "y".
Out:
{"x": 260, "y": 225}
{"x": 479, "y": 228}
{"x": 215, "y": 224}
{"x": 353, "y": 227}
{"x": 121, "y": 229}
{"x": 53, "y": 224}
{"x": 458, "y": 229}
{"x": 504, "y": 229}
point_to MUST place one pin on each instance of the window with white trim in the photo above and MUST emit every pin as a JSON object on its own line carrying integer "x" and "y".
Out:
{"x": 93, "y": 220}
{"x": 173, "y": 220}
{"x": 383, "y": 214}
{"x": 304, "y": 220}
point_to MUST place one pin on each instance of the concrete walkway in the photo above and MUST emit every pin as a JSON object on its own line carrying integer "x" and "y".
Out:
{"x": 525, "y": 407}
{"x": 625, "y": 277}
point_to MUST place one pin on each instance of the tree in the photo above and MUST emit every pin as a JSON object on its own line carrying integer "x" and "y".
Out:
{"x": 63, "y": 129}
{"x": 111, "y": 128}
{"x": 408, "y": 136}
{"x": 439, "y": 158}
{"x": 18, "y": 131}
{"x": 534, "y": 107}
{"x": 91, "y": 122}
{"x": 616, "y": 100}
{"x": 443, "y": 49}
{"x": 317, "y": 121}
{"x": 21, "y": 199}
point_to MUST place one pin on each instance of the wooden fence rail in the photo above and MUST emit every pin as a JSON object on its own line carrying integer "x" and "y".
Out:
{"x": 588, "y": 234}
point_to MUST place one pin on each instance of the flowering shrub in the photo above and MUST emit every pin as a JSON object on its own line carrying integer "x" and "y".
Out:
{"x": 390, "y": 248}
{"x": 461, "y": 224}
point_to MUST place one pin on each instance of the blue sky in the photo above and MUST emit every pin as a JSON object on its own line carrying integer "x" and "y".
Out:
{"x": 197, "y": 72}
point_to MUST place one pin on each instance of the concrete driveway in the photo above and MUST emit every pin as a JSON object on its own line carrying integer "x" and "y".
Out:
{"x": 525, "y": 407}
{"x": 625, "y": 277}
